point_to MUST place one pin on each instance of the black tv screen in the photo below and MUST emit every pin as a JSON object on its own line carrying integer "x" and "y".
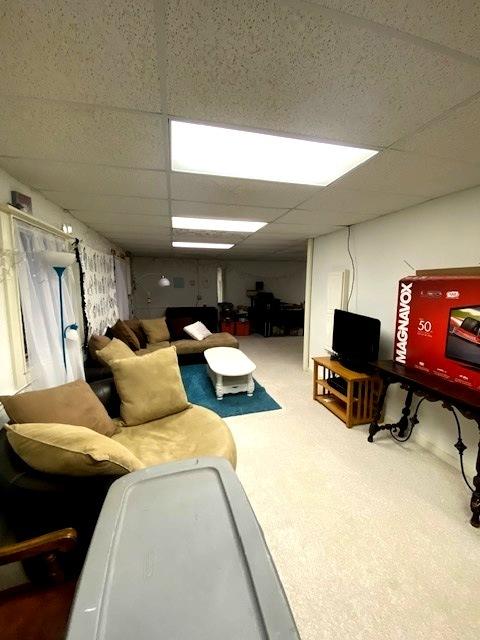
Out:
{"x": 356, "y": 338}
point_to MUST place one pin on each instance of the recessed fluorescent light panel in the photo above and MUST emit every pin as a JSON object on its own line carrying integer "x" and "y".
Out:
{"x": 210, "y": 224}
{"x": 201, "y": 245}
{"x": 199, "y": 148}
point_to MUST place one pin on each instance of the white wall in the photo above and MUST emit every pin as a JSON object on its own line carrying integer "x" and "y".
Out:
{"x": 441, "y": 233}
{"x": 56, "y": 216}
{"x": 285, "y": 279}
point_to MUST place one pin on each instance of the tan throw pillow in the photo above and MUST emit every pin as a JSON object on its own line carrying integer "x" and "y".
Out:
{"x": 71, "y": 403}
{"x": 149, "y": 387}
{"x": 115, "y": 350}
{"x": 123, "y": 332}
{"x": 70, "y": 450}
{"x": 156, "y": 330}
{"x": 96, "y": 343}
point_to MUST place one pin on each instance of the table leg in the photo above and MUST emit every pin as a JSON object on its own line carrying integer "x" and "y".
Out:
{"x": 475, "y": 501}
{"x": 377, "y": 414}
{"x": 402, "y": 424}
{"x": 250, "y": 385}
{"x": 219, "y": 387}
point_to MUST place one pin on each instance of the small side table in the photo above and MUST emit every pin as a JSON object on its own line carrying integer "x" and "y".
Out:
{"x": 353, "y": 400}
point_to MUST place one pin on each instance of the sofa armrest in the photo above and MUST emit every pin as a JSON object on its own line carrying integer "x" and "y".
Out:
{"x": 62, "y": 541}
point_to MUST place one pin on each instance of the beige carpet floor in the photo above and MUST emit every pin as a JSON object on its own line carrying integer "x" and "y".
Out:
{"x": 370, "y": 540}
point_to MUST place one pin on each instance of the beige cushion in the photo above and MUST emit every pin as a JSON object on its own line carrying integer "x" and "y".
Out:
{"x": 199, "y": 346}
{"x": 72, "y": 403}
{"x": 95, "y": 344}
{"x": 70, "y": 450}
{"x": 156, "y": 330}
{"x": 150, "y": 348}
{"x": 192, "y": 433}
{"x": 150, "y": 387}
{"x": 115, "y": 350}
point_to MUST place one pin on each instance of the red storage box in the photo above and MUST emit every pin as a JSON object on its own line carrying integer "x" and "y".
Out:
{"x": 438, "y": 327}
{"x": 227, "y": 326}
{"x": 242, "y": 328}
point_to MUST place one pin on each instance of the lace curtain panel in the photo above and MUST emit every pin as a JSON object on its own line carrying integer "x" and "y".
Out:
{"x": 40, "y": 301}
{"x": 99, "y": 289}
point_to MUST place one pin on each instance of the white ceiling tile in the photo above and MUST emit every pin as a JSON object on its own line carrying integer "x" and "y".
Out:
{"x": 455, "y": 136}
{"x": 113, "y": 220}
{"x": 86, "y": 202}
{"x": 294, "y": 67}
{"x": 451, "y": 23}
{"x": 354, "y": 201}
{"x": 408, "y": 173}
{"x": 95, "y": 52}
{"x": 181, "y": 235}
{"x": 85, "y": 178}
{"x": 224, "y": 211}
{"x": 278, "y": 229}
{"x": 80, "y": 133}
{"x": 253, "y": 193}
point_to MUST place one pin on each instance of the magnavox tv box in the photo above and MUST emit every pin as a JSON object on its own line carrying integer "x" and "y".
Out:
{"x": 438, "y": 327}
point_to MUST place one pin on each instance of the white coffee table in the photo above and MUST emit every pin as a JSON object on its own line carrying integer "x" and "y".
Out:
{"x": 230, "y": 371}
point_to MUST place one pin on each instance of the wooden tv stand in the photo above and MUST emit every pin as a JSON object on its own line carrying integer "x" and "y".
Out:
{"x": 355, "y": 403}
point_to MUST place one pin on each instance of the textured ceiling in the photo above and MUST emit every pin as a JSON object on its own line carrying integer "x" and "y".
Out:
{"x": 87, "y": 89}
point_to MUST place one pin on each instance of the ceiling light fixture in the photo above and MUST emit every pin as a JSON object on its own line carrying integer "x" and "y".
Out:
{"x": 201, "y": 245}
{"x": 211, "y": 224}
{"x": 199, "y": 148}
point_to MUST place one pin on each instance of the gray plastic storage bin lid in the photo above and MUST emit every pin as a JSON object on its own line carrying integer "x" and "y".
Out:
{"x": 178, "y": 554}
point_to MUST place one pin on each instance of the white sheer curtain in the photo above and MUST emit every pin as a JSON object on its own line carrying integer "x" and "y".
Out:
{"x": 40, "y": 299}
{"x": 121, "y": 282}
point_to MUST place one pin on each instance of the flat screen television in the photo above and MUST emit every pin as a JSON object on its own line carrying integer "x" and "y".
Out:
{"x": 356, "y": 339}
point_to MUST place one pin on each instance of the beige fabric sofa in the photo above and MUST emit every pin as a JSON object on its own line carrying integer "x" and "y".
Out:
{"x": 192, "y": 433}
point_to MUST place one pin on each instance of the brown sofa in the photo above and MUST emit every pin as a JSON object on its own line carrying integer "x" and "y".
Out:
{"x": 189, "y": 351}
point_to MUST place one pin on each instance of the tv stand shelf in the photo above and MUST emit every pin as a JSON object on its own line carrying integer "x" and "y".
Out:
{"x": 356, "y": 405}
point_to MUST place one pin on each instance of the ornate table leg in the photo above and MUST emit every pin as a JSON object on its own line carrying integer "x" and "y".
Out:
{"x": 402, "y": 424}
{"x": 250, "y": 385}
{"x": 374, "y": 426}
{"x": 475, "y": 501}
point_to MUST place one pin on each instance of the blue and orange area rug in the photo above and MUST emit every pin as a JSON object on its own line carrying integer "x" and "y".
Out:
{"x": 200, "y": 391}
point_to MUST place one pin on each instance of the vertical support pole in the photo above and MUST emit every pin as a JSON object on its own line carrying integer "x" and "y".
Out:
{"x": 308, "y": 305}
{"x": 59, "y": 271}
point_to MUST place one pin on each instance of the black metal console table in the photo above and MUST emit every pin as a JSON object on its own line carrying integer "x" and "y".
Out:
{"x": 434, "y": 389}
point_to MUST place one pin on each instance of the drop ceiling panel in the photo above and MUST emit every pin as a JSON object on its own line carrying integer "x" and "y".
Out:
{"x": 79, "y": 133}
{"x": 254, "y": 193}
{"x": 450, "y": 22}
{"x": 85, "y": 178}
{"x": 455, "y": 136}
{"x": 407, "y": 173}
{"x": 86, "y": 202}
{"x": 128, "y": 239}
{"x": 94, "y": 52}
{"x": 292, "y": 231}
{"x": 143, "y": 226}
{"x": 113, "y": 220}
{"x": 184, "y": 235}
{"x": 294, "y": 67}
{"x": 354, "y": 201}
{"x": 269, "y": 241}
{"x": 224, "y": 211}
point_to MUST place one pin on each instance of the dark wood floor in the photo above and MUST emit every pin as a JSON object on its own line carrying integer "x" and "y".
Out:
{"x": 35, "y": 613}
